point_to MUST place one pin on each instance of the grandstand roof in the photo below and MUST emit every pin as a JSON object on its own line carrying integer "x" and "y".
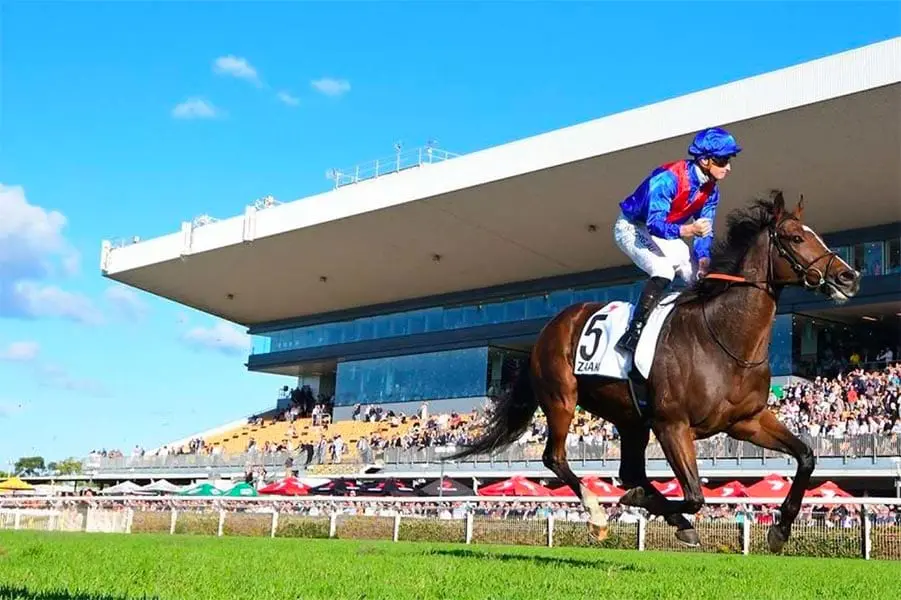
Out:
{"x": 830, "y": 129}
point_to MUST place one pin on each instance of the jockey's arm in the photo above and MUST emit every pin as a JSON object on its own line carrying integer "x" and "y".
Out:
{"x": 708, "y": 211}
{"x": 661, "y": 192}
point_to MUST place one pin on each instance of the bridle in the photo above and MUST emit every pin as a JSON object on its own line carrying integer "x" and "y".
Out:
{"x": 804, "y": 271}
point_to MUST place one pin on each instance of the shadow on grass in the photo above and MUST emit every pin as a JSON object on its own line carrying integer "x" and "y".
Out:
{"x": 551, "y": 561}
{"x": 9, "y": 592}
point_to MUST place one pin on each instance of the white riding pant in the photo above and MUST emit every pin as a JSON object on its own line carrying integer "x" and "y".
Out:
{"x": 658, "y": 257}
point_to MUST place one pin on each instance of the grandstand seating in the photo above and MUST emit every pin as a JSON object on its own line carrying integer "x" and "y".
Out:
{"x": 276, "y": 432}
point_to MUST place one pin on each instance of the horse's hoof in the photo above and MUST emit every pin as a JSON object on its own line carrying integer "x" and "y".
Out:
{"x": 689, "y": 537}
{"x": 598, "y": 533}
{"x": 775, "y": 539}
{"x": 634, "y": 497}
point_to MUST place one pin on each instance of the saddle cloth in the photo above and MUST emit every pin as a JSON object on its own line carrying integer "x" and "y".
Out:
{"x": 596, "y": 353}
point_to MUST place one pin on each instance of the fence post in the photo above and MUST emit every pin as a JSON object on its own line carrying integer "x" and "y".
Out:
{"x": 274, "y": 523}
{"x": 333, "y": 525}
{"x": 172, "y": 520}
{"x": 17, "y": 518}
{"x": 221, "y": 521}
{"x": 468, "y": 528}
{"x": 746, "y": 533}
{"x": 396, "y": 526}
{"x": 642, "y": 531}
{"x": 866, "y": 531}
{"x": 550, "y": 531}
{"x": 129, "y": 519}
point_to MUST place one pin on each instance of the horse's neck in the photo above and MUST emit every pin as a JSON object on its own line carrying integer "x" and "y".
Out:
{"x": 743, "y": 315}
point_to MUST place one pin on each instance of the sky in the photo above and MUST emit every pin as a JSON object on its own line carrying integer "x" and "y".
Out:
{"x": 126, "y": 118}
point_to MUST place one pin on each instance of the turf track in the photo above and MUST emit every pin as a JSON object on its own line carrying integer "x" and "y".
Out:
{"x": 67, "y": 566}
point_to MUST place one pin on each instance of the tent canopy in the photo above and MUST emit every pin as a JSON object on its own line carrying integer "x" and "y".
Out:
{"x": 241, "y": 490}
{"x": 14, "y": 484}
{"x": 515, "y": 486}
{"x": 597, "y": 486}
{"x": 446, "y": 487}
{"x": 203, "y": 489}
{"x": 289, "y": 486}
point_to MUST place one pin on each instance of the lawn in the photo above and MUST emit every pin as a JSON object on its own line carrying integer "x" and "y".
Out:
{"x": 83, "y": 566}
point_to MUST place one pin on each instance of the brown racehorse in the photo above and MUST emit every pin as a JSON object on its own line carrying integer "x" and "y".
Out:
{"x": 710, "y": 372}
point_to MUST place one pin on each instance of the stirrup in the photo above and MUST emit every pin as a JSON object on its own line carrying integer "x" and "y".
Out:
{"x": 629, "y": 340}
{"x": 638, "y": 392}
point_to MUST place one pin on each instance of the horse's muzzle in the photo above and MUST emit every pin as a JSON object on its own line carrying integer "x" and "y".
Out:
{"x": 844, "y": 285}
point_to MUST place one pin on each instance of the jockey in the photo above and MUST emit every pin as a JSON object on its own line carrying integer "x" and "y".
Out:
{"x": 656, "y": 216}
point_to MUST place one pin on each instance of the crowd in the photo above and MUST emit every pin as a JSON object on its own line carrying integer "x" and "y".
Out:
{"x": 829, "y": 516}
{"x": 854, "y": 403}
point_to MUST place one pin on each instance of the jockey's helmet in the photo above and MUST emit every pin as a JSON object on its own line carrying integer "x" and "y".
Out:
{"x": 714, "y": 142}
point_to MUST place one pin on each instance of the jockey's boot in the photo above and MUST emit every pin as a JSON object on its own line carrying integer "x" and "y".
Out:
{"x": 650, "y": 296}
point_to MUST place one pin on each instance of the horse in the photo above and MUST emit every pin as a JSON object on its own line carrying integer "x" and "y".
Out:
{"x": 710, "y": 372}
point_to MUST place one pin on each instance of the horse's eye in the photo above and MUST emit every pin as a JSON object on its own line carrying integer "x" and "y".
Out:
{"x": 797, "y": 239}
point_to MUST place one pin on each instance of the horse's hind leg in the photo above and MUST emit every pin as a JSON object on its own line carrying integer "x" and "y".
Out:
{"x": 765, "y": 430}
{"x": 632, "y": 473}
{"x": 560, "y": 407}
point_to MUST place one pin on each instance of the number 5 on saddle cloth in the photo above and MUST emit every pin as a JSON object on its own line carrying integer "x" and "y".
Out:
{"x": 596, "y": 352}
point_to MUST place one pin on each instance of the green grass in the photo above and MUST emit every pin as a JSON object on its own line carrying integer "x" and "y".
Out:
{"x": 80, "y": 566}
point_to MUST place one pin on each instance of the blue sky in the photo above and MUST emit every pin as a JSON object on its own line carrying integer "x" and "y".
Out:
{"x": 121, "y": 119}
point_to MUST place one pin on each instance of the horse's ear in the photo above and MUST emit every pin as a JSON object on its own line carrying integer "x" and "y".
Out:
{"x": 799, "y": 209}
{"x": 778, "y": 204}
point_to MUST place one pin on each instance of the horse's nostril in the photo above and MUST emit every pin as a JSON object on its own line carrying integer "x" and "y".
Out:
{"x": 847, "y": 276}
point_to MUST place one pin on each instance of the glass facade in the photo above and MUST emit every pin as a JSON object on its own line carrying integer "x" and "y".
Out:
{"x": 825, "y": 347}
{"x": 781, "y": 345}
{"x": 414, "y": 377}
{"x": 503, "y": 367}
{"x": 874, "y": 258}
{"x": 800, "y": 345}
{"x": 436, "y": 319}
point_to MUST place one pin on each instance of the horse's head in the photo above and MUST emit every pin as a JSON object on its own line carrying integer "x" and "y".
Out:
{"x": 799, "y": 256}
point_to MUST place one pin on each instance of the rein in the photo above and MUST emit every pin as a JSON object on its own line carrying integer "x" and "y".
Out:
{"x": 804, "y": 272}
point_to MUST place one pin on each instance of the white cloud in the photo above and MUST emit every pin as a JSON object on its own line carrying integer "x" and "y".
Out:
{"x": 330, "y": 86}
{"x": 33, "y": 248}
{"x": 126, "y": 302}
{"x": 30, "y": 237}
{"x": 221, "y": 337}
{"x": 288, "y": 99}
{"x": 20, "y": 351}
{"x": 235, "y": 66}
{"x": 36, "y": 301}
{"x": 196, "y": 108}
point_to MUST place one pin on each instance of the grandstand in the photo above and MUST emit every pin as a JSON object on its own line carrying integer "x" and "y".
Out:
{"x": 448, "y": 270}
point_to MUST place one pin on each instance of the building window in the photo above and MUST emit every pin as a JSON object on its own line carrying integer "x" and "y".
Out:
{"x": 869, "y": 259}
{"x": 415, "y": 377}
{"x": 893, "y": 250}
{"x": 781, "y": 345}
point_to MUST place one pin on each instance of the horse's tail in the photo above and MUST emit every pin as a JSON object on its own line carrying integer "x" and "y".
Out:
{"x": 510, "y": 418}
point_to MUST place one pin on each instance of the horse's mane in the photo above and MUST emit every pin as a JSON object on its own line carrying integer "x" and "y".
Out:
{"x": 743, "y": 227}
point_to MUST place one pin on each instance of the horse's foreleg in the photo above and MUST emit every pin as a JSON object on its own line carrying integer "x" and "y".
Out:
{"x": 765, "y": 430}
{"x": 634, "y": 477}
{"x": 678, "y": 446}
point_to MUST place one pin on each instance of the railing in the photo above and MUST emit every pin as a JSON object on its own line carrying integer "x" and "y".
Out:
{"x": 401, "y": 161}
{"x": 718, "y": 448}
{"x": 865, "y": 527}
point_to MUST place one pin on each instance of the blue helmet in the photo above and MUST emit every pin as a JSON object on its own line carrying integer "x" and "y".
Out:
{"x": 715, "y": 141}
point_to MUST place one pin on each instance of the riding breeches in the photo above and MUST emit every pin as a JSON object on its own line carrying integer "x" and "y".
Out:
{"x": 658, "y": 257}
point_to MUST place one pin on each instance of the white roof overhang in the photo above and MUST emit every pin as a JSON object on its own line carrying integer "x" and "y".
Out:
{"x": 830, "y": 129}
